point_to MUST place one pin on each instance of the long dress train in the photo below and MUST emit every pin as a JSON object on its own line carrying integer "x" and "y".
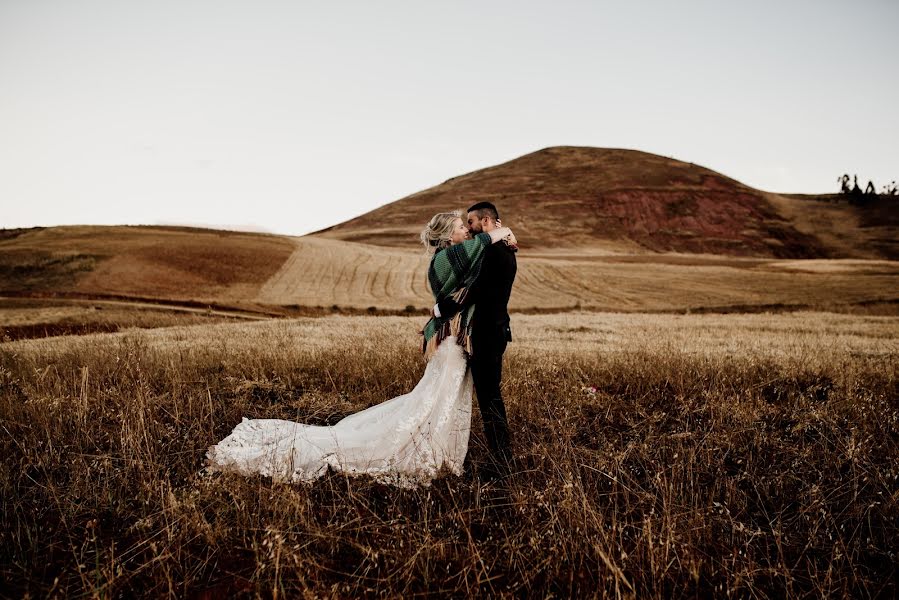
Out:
{"x": 403, "y": 441}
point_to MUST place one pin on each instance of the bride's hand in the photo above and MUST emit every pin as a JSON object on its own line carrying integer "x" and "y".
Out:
{"x": 510, "y": 239}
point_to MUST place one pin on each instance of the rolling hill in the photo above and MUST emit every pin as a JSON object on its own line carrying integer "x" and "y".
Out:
{"x": 613, "y": 200}
{"x": 154, "y": 262}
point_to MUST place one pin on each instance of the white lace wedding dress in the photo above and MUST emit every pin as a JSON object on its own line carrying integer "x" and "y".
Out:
{"x": 403, "y": 441}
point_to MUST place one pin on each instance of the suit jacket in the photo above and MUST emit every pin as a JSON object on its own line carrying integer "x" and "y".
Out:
{"x": 490, "y": 293}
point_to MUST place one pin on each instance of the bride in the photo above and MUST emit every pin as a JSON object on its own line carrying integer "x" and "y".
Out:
{"x": 406, "y": 440}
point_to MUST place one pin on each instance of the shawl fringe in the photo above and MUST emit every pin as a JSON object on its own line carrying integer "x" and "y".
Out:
{"x": 452, "y": 328}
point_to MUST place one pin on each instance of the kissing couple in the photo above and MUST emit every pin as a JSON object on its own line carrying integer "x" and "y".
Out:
{"x": 406, "y": 441}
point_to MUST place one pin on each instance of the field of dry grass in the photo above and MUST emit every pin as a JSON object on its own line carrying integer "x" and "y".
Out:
{"x": 324, "y": 272}
{"x": 657, "y": 456}
{"x": 328, "y": 272}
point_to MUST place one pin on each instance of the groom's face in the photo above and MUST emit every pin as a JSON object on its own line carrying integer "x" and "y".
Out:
{"x": 476, "y": 224}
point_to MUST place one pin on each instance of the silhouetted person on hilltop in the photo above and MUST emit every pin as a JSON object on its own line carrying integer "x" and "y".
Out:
{"x": 856, "y": 194}
{"x": 844, "y": 183}
{"x": 869, "y": 189}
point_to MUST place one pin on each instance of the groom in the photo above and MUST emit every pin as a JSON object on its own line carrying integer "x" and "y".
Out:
{"x": 489, "y": 334}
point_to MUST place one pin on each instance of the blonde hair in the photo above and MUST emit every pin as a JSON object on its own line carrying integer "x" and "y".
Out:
{"x": 438, "y": 233}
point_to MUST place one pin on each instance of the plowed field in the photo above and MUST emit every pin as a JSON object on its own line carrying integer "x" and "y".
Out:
{"x": 323, "y": 272}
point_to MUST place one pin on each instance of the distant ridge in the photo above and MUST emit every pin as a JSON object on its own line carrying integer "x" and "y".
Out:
{"x": 244, "y": 228}
{"x": 569, "y": 197}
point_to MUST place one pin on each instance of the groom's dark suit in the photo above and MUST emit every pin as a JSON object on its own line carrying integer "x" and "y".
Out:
{"x": 489, "y": 335}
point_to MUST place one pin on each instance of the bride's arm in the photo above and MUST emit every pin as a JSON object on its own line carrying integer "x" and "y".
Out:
{"x": 499, "y": 233}
{"x": 449, "y": 306}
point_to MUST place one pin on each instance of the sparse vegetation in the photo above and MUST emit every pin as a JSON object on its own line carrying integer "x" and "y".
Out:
{"x": 41, "y": 270}
{"x": 658, "y": 456}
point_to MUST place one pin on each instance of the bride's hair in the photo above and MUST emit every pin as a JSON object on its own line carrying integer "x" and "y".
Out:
{"x": 438, "y": 234}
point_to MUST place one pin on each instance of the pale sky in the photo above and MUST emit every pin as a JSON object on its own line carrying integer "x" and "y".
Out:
{"x": 293, "y": 116}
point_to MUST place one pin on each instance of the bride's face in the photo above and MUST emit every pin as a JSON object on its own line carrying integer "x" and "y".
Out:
{"x": 460, "y": 232}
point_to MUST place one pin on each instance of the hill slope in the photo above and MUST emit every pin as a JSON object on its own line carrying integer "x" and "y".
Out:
{"x": 600, "y": 199}
{"x": 140, "y": 261}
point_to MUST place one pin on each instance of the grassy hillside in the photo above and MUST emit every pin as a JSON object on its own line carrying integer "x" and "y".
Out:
{"x": 869, "y": 229}
{"x": 625, "y": 201}
{"x": 141, "y": 261}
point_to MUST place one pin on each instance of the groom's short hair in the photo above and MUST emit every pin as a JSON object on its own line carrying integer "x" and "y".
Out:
{"x": 485, "y": 209}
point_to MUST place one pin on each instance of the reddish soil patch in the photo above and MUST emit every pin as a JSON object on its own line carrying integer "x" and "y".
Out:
{"x": 712, "y": 222}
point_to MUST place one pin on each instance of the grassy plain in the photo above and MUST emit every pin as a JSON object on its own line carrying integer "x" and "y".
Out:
{"x": 752, "y": 455}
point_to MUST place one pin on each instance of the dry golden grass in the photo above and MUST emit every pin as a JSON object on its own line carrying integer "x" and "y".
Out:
{"x": 657, "y": 456}
{"x": 327, "y": 272}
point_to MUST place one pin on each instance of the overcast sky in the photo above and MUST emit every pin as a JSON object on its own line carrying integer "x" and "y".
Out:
{"x": 292, "y": 116}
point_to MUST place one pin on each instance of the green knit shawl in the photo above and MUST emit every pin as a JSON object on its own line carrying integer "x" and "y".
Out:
{"x": 451, "y": 274}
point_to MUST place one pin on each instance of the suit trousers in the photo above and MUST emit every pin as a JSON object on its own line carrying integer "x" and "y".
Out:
{"x": 486, "y": 371}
